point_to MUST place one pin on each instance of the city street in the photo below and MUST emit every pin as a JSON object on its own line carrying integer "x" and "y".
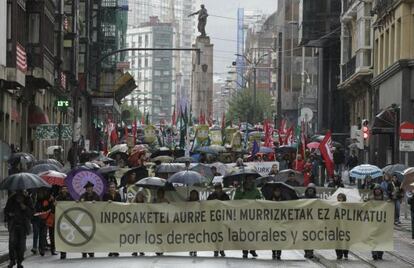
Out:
{"x": 179, "y": 125}
{"x": 401, "y": 257}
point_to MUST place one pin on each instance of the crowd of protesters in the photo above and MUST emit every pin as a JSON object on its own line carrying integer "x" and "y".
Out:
{"x": 34, "y": 210}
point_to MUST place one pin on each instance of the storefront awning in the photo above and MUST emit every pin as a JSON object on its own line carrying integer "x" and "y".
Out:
{"x": 124, "y": 85}
{"x": 384, "y": 122}
{"x": 37, "y": 116}
{"x": 115, "y": 85}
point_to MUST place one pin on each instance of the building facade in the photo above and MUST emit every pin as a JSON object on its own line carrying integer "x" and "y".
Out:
{"x": 392, "y": 84}
{"x": 297, "y": 66}
{"x": 320, "y": 28}
{"x": 356, "y": 66}
{"x": 153, "y": 70}
{"x": 176, "y": 13}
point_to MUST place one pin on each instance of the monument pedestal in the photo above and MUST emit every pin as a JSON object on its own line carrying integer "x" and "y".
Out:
{"x": 202, "y": 78}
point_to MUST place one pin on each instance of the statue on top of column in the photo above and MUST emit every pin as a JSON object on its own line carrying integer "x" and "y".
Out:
{"x": 202, "y": 20}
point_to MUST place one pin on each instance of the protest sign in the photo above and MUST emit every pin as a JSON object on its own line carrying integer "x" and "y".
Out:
{"x": 202, "y": 133}
{"x": 181, "y": 193}
{"x": 216, "y": 137}
{"x": 223, "y": 225}
{"x": 263, "y": 168}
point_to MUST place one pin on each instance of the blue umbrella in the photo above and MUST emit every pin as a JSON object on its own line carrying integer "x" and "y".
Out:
{"x": 362, "y": 171}
{"x": 266, "y": 150}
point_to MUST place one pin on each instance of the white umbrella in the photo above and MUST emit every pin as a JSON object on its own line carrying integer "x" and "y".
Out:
{"x": 352, "y": 195}
{"x": 51, "y": 149}
{"x": 361, "y": 171}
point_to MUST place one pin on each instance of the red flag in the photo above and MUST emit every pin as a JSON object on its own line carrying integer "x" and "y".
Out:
{"x": 289, "y": 136}
{"x": 268, "y": 134}
{"x": 143, "y": 119}
{"x": 174, "y": 119}
{"x": 202, "y": 119}
{"x": 282, "y": 131}
{"x": 126, "y": 134}
{"x": 210, "y": 120}
{"x": 134, "y": 130}
{"x": 113, "y": 132}
{"x": 325, "y": 147}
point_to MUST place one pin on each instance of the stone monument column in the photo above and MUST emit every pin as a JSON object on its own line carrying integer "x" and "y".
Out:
{"x": 202, "y": 79}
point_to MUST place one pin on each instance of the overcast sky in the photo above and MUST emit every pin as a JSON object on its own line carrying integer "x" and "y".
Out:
{"x": 226, "y": 28}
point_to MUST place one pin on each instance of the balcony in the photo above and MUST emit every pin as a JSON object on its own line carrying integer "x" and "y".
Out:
{"x": 348, "y": 69}
{"x": 381, "y": 7}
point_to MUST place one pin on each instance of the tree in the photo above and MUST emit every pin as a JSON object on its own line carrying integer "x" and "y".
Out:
{"x": 242, "y": 103}
{"x": 132, "y": 112}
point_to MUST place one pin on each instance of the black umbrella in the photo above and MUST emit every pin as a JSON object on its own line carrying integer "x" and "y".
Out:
{"x": 23, "y": 181}
{"x": 319, "y": 138}
{"x": 105, "y": 159}
{"x": 287, "y": 192}
{"x": 91, "y": 166}
{"x": 239, "y": 176}
{"x": 204, "y": 170}
{"x": 286, "y": 149}
{"x": 169, "y": 168}
{"x": 163, "y": 151}
{"x": 151, "y": 183}
{"x": 140, "y": 173}
{"x": 188, "y": 178}
{"x": 391, "y": 169}
{"x": 108, "y": 169}
{"x": 185, "y": 159}
{"x": 21, "y": 157}
{"x": 43, "y": 168}
{"x": 284, "y": 175}
{"x": 49, "y": 161}
{"x": 179, "y": 153}
{"x": 88, "y": 156}
{"x": 263, "y": 180}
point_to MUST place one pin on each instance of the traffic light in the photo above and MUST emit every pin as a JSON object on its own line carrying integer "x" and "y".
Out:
{"x": 365, "y": 129}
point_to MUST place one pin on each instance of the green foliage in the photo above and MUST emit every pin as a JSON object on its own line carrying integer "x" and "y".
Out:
{"x": 242, "y": 103}
{"x": 134, "y": 112}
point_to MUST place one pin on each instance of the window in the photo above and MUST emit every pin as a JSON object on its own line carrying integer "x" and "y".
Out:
{"x": 146, "y": 62}
{"x": 9, "y": 16}
{"x": 21, "y": 26}
{"x": 140, "y": 41}
{"x": 166, "y": 73}
{"x": 157, "y": 73}
{"x": 146, "y": 40}
{"x": 34, "y": 28}
{"x": 48, "y": 30}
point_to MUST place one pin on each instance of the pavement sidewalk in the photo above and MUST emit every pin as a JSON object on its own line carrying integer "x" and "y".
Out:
{"x": 404, "y": 227}
{"x": 4, "y": 244}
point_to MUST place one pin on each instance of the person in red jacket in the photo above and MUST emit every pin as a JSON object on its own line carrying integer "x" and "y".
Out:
{"x": 307, "y": 173}
{"x": 299, "y": 164}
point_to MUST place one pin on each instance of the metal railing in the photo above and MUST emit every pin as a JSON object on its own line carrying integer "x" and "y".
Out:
{"x": 382, "y": 6}
{"x": 348, "y": 69}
